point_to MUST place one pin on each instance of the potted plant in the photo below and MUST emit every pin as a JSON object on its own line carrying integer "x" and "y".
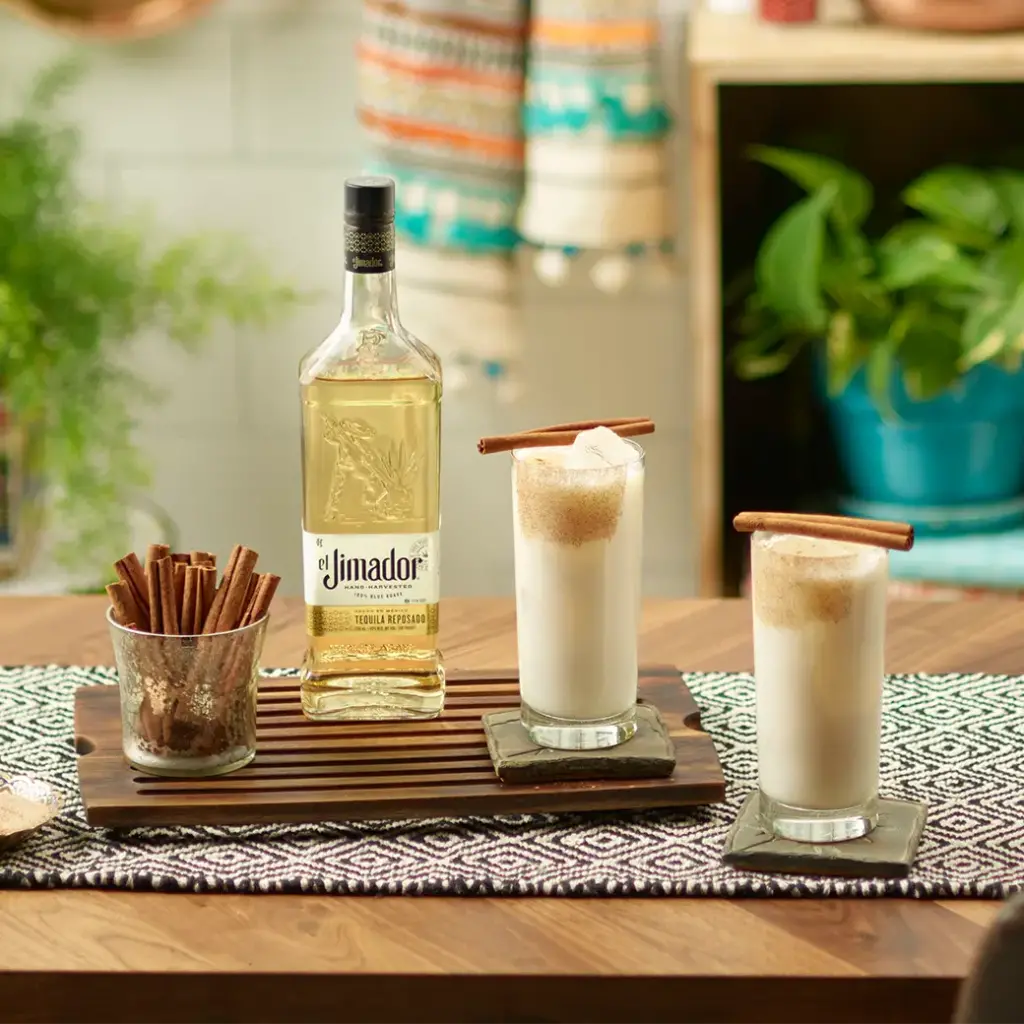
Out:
{"x": 77, "y": 285}
{"x": 918, "y": 329}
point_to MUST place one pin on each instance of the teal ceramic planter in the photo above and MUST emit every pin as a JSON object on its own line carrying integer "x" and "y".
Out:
{"x": 965, "y": 447}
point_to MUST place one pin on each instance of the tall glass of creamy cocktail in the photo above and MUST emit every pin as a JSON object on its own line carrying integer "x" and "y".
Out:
{"x": 819, "y": 610}
{"x": 578, "y": 526}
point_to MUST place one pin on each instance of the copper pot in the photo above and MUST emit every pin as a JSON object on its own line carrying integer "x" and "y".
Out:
{"x": 949, "y": 15}
{"x": 110, "y": 19}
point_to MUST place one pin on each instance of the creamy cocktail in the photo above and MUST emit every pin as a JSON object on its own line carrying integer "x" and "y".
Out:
{"x": 819, "y": 646}
{"x": 578, "y": 522}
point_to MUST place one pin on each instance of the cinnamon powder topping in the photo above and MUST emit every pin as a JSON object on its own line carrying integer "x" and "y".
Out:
{"x": 568, "y": 506}
{"x": 799, "y": 580}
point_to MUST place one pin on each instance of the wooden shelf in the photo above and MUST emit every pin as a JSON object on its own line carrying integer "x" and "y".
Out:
{"x": 740, "y": 49}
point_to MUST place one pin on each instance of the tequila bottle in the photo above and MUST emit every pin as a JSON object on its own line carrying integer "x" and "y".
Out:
{"x": 371, "y": 423}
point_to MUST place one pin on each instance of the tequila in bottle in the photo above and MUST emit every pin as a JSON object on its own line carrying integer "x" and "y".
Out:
{"x": 371, "y": 423}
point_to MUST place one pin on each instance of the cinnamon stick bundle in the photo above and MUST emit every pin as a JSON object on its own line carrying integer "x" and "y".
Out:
{"x": 197, "y": 699}
{"x": 177, "y": 593}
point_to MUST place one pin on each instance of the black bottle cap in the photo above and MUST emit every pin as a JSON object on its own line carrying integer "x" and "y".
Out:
{"x": 369, "y": 201}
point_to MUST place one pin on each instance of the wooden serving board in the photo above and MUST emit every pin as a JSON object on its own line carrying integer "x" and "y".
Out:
{"x": 310, "y": 771}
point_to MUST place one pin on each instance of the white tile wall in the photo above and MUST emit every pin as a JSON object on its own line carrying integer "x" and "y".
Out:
{"x": 244, "y": 121}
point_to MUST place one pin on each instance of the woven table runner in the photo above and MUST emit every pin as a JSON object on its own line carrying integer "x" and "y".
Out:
{"x": 956, "y": 741}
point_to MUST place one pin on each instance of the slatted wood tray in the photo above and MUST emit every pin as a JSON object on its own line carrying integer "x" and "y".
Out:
{"x": 345, "y": 771}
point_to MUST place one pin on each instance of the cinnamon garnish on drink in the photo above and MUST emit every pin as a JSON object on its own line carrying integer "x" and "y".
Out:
{"x": 563, "y": 434}
{"x": 876, "y": 532}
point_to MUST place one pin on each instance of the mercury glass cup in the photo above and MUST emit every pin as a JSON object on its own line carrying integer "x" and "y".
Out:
{"x": 188, "y": 703}
{"x": 819, "y": 611}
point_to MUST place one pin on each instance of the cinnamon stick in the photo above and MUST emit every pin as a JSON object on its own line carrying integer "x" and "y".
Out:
{"x": 202, "y": 558}
{"x": 168, "y": 600}
{"x": 156, "y": 618}
{"x": 589, "y": 425}
{"x": 188, "y": 600}
{"x": 554, "y": 437}
{"x": 155, "y": 552}
{"x": 122, "y": 602}
{"x": 234, "y": 599}
{"x": 207, "y": 590}
{"x": 150, "y": 723}
{"x": 262, "y": 599}
{"x": 250, "y": 598}
{"x": 840, "y": 528}
{"x": 129, "y": 570}
{"x": 179, "y": 589}
{"x": 884, "y": 525}
{"x": 213, "y": 613}
{"x": 180, "y": 556}
{"x": 250, "y": 593}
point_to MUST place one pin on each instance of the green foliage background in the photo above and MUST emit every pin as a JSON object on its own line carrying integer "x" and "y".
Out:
{"x": 935, "y": 295}
{"x": 78, "y": 283}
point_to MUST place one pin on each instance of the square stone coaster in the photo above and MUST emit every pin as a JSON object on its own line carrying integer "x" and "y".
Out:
{"x": 650, "y": 754}
{"x": 886, "y": 852}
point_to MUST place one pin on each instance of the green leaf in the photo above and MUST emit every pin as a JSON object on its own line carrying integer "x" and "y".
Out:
{"x": 1003, "y": 268}
{"x": 766, "y": 354}
{"x": 878, "y": 371}
{"x": 910, "y": 255}
{"x": 1009, "y": 186}
{"x": 992, "y": 329}
{"x": 852, "y": 290}
{"x": 853, "y": 192}
{"x": 929, "y": 352}
{"x": 982, "y": 336}
{"x": 788, "y": 264}
{"x": 962, "y": 199}
{"x": 1013, "y": 322}
{"x": 843, "y": 355}
{"x": 924, "y": 346}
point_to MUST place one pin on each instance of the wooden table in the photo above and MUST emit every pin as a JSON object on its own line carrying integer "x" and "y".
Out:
{"x": 108, "y": 956}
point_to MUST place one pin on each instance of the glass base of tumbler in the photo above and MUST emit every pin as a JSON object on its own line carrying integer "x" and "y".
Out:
{"x": 578, "y": 734}
{"x": 804, "y": 825}
{"x": 185, "y": 767}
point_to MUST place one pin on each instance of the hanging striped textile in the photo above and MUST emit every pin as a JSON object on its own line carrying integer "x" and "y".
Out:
{"x": 441, "y": 93}
{"x": 596, "y": 122}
